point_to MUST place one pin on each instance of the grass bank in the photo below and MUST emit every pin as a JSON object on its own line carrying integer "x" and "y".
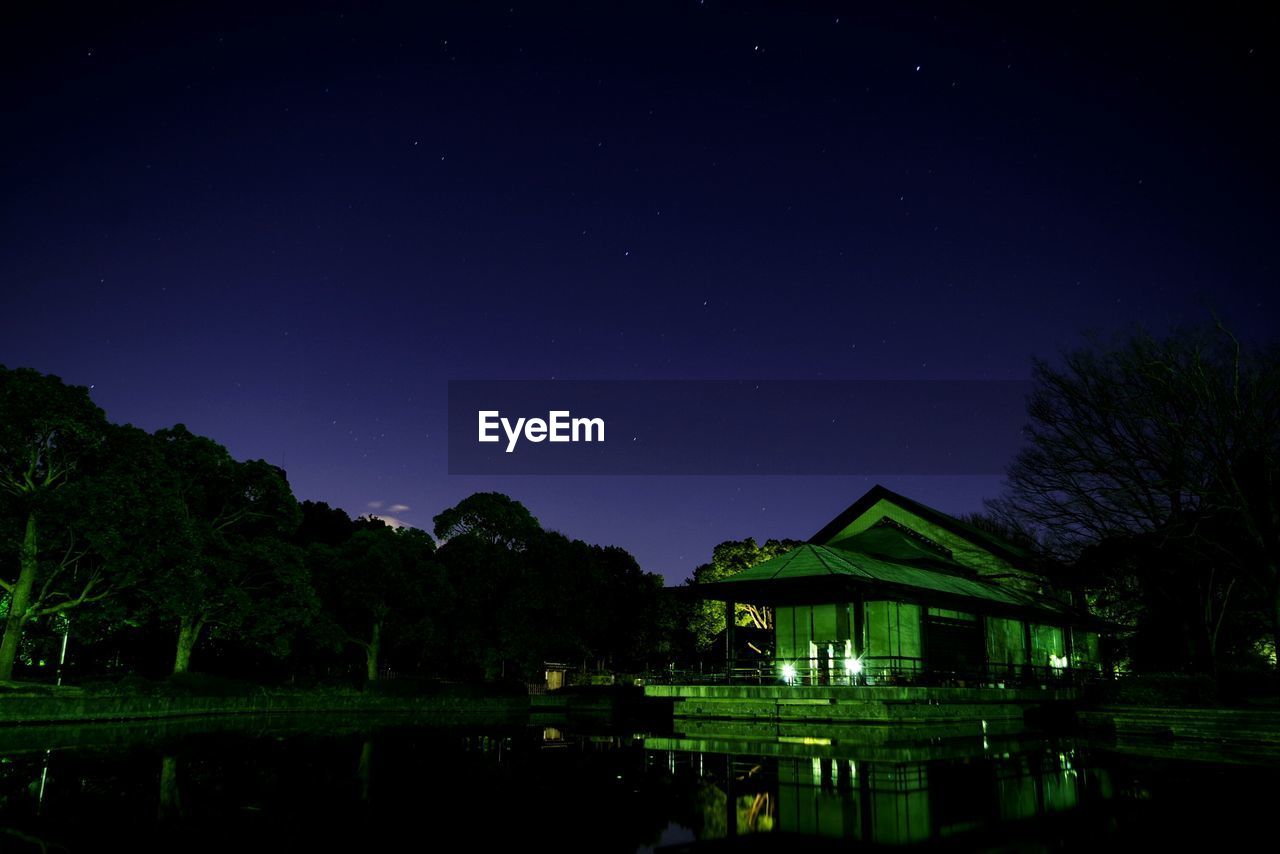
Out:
{"x": 195, "y": 695}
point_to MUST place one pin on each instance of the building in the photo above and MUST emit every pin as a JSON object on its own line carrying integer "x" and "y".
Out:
{"x": 894, "y": 592}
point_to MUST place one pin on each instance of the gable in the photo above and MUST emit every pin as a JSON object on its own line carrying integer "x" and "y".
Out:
{"x": 966, "y": 546}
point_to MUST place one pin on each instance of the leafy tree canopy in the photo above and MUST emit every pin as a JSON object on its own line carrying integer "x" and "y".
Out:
{"x": 728, "y": 559}
{"x": 490, "y": 516}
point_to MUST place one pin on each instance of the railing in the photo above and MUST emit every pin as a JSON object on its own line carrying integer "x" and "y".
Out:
{"x": 872, "y": 671}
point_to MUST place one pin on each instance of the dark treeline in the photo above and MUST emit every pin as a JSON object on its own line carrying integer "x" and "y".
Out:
{"x": 1149, "y": 483}
{"x": 156, "y": 553}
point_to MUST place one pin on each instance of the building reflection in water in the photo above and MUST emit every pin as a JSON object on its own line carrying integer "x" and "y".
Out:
{"x": 878, "y": 793}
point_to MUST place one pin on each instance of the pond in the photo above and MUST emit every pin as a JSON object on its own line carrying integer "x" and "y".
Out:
{"x": 316, "y": 783}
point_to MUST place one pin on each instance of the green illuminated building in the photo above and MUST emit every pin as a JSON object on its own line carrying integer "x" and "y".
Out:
{"x": 894, "y": 592}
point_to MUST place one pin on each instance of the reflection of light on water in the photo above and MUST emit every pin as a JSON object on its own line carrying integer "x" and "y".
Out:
{"x": 44, "y": 777}
{"x": 814, "y": 795}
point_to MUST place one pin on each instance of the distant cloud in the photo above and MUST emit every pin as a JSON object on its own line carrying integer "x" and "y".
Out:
{"x": 397, "y": 508}
{"x": 392, "y": 521}
{"x": 376, "y": 504}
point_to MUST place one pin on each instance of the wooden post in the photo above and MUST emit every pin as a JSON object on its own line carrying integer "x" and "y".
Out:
{"x": 1068, "y": 649}
{"x": 730, "y": 641}
{"x": 986, "y": 676}
{"x": 1029, "y": 671}
{"x": 859, "y": 628}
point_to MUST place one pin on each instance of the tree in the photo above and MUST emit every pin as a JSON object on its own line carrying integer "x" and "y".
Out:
{"x": 229, "y": 566}
{"x": 1164, "y": 450}
{"x": 104, "y": 537}
{"x": 727, "y": 559}
{"x": 380, "y": 585}
{"x": 582, "y": 602}
{"x": 485, "y": 538}
{"x": 525, "y": 596}
{"x": 490, "y": 516}
{"x": 330, "y": 526}
{"x": 49, "y": 434}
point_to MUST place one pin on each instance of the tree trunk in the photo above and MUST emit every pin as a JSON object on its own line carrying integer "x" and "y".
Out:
{"x": 188, "y": 634}
{"x": 371, "y": 651}
{"x": 20, "y": 600}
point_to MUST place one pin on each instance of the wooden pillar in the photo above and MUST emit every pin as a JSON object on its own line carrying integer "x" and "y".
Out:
{"x": 1029, "y": 667}
{"x": 859, "y": 629}
{"x": 1068, "y": 648}
{"x": 730, "y": 641}
{"x": 859, "y": 624}
{"x": 986, "y": 675}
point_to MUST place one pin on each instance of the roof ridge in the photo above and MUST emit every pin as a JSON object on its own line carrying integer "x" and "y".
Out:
{"x": 821, "y": 553}
{"x": 838, "y": 556}
{"x": 784, "y": 560}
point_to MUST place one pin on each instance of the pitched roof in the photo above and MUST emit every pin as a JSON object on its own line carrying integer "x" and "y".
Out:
{"x": 810, "y": 565}
{"x": 991, "y": 542}
{"x": 891, "y": 542}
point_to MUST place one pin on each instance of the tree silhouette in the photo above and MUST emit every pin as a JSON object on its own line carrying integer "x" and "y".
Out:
{"x": 1166, "y": 451}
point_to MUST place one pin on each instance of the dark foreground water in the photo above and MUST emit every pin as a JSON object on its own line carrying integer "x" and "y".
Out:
{"x": 321, "y": 784}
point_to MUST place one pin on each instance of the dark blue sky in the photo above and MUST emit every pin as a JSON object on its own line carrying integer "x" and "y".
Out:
{"x": 290, "y": 230}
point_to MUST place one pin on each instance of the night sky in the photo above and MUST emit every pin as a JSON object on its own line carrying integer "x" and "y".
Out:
{"x": 290, "y": 230}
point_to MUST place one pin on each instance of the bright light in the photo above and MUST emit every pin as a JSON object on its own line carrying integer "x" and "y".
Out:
{"x": 789, "y": 674}
{"x": 853, "y": 666}
{"x": 1059, "y": 663}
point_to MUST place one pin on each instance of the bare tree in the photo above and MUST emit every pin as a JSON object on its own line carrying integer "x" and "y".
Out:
{"x": 1169, "y": 441}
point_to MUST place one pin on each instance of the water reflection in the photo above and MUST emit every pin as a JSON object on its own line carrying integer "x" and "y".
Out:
{"x": 364, "y": 770}
{"x": 170, "y": 796}
{"x": 853, "y": 785}
{"x": 293, "y": 784}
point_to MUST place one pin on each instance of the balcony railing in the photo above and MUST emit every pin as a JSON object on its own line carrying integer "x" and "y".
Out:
{"x": 873, "y": 671}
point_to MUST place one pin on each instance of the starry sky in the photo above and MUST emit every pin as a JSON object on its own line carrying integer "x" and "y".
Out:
{"x": 289, "y": 230}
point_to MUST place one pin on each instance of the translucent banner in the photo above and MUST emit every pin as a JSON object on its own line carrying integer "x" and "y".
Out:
{"x": 735, "y": 427}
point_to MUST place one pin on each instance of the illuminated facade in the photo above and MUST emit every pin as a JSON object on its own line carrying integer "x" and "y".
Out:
{"x": 894, "y": 592}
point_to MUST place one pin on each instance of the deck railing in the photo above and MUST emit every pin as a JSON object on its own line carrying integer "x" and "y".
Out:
{"x": 872, "y": 671}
